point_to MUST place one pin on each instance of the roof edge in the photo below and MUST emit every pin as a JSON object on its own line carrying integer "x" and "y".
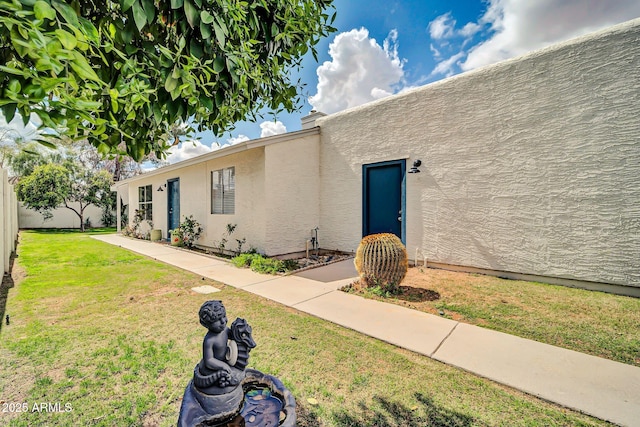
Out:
{"x": 223, "y": 152}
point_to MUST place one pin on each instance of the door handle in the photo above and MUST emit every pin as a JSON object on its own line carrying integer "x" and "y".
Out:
{"x": 400, "y": 217}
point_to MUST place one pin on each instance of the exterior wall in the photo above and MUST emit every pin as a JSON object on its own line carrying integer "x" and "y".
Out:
{"x": 291, "y": 191}
{"x": 195, "y": 198}
{"x": 249, "y": 215}
{"x": 531, "y": 165}
{"x": 62, "y": 218}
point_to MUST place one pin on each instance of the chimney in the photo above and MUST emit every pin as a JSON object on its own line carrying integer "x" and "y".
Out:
{"x": 309, "y": 121}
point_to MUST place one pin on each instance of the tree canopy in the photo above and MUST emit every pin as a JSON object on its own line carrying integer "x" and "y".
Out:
{"x": 120, "y": 73}
{"x": 52, "y": 185}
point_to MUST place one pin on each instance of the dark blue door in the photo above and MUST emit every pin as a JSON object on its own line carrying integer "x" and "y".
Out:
{"x": 383, "y": 198}
{"x": 173, "y": 203}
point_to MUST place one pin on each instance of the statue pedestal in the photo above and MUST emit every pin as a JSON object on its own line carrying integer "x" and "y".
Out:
{"x": 199, "y": 408}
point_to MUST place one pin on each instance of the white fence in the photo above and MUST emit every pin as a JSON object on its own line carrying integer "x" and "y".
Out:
{"x": 62, "y": 217}
{"x": 8, "y": 219}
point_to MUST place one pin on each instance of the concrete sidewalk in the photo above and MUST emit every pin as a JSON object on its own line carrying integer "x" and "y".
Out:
{"x": 599, "y": 387}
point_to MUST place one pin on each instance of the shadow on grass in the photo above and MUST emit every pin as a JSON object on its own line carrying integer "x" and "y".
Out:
{"x": 409, "y": 293}
{"x": 394, "y": 414}
{"x": 306, "y": 418}
{"x": 7, "y": 283}
{"x": 104, "y": 230}
{"x": 405, "y": 293}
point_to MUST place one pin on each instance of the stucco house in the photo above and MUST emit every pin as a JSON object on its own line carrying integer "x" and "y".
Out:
{"x": 529, "y": 168}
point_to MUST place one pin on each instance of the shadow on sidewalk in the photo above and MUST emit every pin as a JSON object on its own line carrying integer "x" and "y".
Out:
{"x": 7, "y": 283}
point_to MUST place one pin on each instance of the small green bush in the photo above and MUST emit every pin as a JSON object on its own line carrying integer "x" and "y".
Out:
{"x": 244, "y": 260}
{"x": 262, "y": 264}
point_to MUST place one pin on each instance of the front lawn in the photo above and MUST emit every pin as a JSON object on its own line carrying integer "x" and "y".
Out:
{"x": 111, "y": 338}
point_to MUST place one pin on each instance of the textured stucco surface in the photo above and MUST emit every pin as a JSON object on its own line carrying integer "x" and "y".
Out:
{"x": 195, "y": 198}
{"x": 292, "y": 205}
{"x": 531, "y": 165}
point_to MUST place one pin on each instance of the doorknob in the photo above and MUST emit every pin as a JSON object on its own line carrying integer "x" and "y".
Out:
{"x": 400, "y": 217}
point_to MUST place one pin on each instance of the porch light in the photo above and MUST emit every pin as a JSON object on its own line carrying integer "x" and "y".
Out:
{"x": 161, "y": 188}
{"x": 415, "y": 169}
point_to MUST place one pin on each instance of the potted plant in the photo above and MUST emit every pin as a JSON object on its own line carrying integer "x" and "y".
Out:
{"x": 156, "y": 235}
{"x": 176, "y": 237}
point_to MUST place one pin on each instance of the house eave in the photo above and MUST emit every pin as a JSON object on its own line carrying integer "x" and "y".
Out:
{"x": 223, "y": 152}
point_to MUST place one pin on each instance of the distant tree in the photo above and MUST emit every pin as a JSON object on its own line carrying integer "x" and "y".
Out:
{"x": 123, "y": 72}
{"x": 8, "y": 138}
{"x": 51, "y": 186}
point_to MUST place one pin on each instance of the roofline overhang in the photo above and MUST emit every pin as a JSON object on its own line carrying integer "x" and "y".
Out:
{"x": 222, "y": 152}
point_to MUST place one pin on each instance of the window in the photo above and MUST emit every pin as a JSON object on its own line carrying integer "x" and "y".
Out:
{"x": 223, "y": 191}
{"x": 145, "y": 205}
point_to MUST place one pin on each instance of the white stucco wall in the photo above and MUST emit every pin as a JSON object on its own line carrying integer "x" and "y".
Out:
{"x": 62, "y": 217}
{"x": 531, "y": 165}
{"x": 195, "y": 198}
{"x": 291, "y": 191}
{"x": 249, "y": 216}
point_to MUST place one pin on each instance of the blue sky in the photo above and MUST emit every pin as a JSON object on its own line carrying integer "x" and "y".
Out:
{"x": 385, "y": 46}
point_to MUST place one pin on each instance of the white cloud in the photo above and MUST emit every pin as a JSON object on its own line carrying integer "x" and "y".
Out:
{"x": 434, "y": 51}
{"x": 238, "y": 139}
{"x": 524, "y": 26}
{"x": 360, "y": 71}
{"x": 187, "y": 150}
{"x": 446, "y": 67}
{"x": 514, "y": 27}
{"x": 470, "y": 29}
{"x": 442, "y": 27}
{"x": 272, "y": 128}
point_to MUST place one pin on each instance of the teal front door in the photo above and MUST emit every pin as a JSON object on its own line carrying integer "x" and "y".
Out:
{"x": 173, "y": 203}
{"x": 384, "y": 198}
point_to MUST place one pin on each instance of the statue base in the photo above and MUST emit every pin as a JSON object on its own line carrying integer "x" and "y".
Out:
{"x": 203, "y": 409}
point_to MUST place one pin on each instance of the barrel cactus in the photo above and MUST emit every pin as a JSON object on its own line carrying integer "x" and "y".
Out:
{"x": 381, "y": 259}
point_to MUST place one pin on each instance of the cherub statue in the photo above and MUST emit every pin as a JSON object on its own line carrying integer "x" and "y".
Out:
{"x": 216, "y": 392}
{"x": 225, "y": 351}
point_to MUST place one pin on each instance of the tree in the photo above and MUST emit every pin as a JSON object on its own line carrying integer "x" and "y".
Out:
{"x": 124, "y": 71}
{"x": 51, "y": 186}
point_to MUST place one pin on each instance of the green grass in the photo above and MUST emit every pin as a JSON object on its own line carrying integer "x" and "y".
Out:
{"x": 116, "y": 335}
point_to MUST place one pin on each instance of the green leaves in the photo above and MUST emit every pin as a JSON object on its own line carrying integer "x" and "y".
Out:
{"x": 67, "y": 12}
{"x": 131, "y": 68}
{"x": 67, "y": 39}
{"x": 139, "y": 15}
{"x": 43, "y": 10}
{"x": 205, "y": 17}
{"x": 191, "y": 13}
{"x": 126, "y": 4}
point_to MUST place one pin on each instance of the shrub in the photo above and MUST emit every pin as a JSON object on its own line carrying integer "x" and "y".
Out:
{"x": 264, "y": 265}
{"x": 261, "y": 264}
{"x": 244, "y": 260}
{"x": 190, "y": 231}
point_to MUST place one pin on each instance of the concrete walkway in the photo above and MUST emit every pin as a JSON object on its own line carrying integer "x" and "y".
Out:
{"x": 599, "y": 387}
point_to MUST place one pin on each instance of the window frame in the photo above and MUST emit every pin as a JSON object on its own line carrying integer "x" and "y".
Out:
{"x": 223, "y": 191}
{"x": 145, "y": 201}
